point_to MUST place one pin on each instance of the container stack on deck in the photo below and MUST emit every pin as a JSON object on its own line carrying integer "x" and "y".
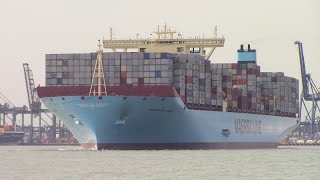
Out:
{"x": 192, "y": 79}
{"x": 280, "y": 94}
{"x": 233, "y": 87}
{"x": 68, "y": 69}
{"x": 137, "y": 69}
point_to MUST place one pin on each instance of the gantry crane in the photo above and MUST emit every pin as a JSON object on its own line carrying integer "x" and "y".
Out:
{"x": 9, "y": 108}
{"x": 34, "y": 102}
{"x": 310, "y": 92}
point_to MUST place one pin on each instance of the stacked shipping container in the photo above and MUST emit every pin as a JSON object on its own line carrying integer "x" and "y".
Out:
{"x": 236, "y": 87}
{"x": 192, "y": 79}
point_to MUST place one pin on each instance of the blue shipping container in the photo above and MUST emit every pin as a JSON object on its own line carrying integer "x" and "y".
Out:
{"x": 59, "y": 81}
{"x": 158, "y": 74}
{"x": 146, "y": 55}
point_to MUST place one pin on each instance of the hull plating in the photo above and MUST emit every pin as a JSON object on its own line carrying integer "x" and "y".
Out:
{"x": 135, "y": 122}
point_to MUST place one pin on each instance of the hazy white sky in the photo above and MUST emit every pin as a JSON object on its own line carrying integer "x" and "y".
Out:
{"x": 30, "y": 29}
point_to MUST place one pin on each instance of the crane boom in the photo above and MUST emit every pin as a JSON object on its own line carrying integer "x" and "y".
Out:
{"x": 310, "y": 92}
{"x": 305, "y": 87}
{"x": 34, "y": 102}
{"x": 306, "y": 78}
{"x": 6, "y": 100}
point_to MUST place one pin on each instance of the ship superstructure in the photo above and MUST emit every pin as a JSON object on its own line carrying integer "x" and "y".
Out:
{"x": 169, "y": 41}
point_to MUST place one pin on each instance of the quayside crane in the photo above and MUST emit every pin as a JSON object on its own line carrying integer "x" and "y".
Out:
{"x": 310, "y": 92}
{"x": 33, "y": 99}
{"x": 34, "y": 102}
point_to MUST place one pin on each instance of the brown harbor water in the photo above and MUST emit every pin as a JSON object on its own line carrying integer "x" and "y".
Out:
{"x": 52, "y": 162}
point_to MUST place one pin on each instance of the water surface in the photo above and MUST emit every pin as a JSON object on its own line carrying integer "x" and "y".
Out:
{"x": 53, "y": 162}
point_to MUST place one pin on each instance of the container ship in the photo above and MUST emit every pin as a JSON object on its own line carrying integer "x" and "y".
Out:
{"x": 168, "y": 95}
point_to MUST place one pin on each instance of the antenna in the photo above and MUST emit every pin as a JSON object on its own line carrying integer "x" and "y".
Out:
{"x": 215, "y": 31}
{"x": 110, "y": 33}
{"x": 99, "y": 75}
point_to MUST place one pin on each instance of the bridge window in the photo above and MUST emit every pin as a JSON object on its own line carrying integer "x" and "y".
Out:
{"x": 180, "y": 49}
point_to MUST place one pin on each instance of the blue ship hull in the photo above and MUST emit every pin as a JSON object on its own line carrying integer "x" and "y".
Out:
{"x": 135, "y": 122}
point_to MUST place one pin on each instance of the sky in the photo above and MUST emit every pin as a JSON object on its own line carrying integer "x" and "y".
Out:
{"x": 30, "y": 29}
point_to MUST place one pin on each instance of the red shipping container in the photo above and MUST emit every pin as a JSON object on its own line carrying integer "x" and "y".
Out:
{"x": 123, "y": 81}
{"x": 189, "y": 79}
{"x": 140, "y": 80}
{"x": 234, "y": 82}
{"x": 242, "y": 82}
{"x": 229, "y": 91}
{"x": 123, "y": 74}
{"x": 234, "y": 65}
{"x": 239, "y": 71}
{"x": 183, "y": 98}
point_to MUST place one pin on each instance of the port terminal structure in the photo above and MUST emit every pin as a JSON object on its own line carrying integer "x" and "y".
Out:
{"x": 167, "y": 41}
{"x": 48, "y": 127}
{"x": 309, "y": 100}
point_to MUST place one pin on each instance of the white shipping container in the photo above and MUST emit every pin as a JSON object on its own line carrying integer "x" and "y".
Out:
{"x": 152, "y": 74}
{"x": 182, "y": 92}
{"x": 111, "y": 74}
{"x": 152, "y": 67}
{"x": 189, "y": 73}
{"x": 146, "y": 68}
{"x": 59, "y": 75}
{"x": 179, "y": 79}
{"x": 135, "y": 74}
{"x": 146, "y": 80}
{"x": 195, "y": 87}
{"x": 166, "y": 80}
{"x": 129, "y": 80}
{"x": 180, "y": 85}
{"x": 189, "y": 100}
{"x": 189, "y": 86}
{"x": 135, "y": 80}
{"x": 82, "y": 81}
{"x": 129, "y": 68}
{"x": 152, "y": 80}
{"x": 146, "y": 74}
{"x": 135, "y": 68}
{"x": 202, "y": 75}
{"x": 123, "y": 68}
{"x": 140, "y": 68}
{"x": 70, "y": 81}
{"x": 179, "y": 72}
{"x": 158, "y": 67}
{"x": 195, "y": 100}
{"x": 214, "y": 102}
{"x": 152, "y": 61}
{"x": 48, "y": 81}
{"x": 158, "y": 80}
{"x": 219, "y": 102}
{"x": 135, "y": 62}
{"x": 76, "y": 68}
